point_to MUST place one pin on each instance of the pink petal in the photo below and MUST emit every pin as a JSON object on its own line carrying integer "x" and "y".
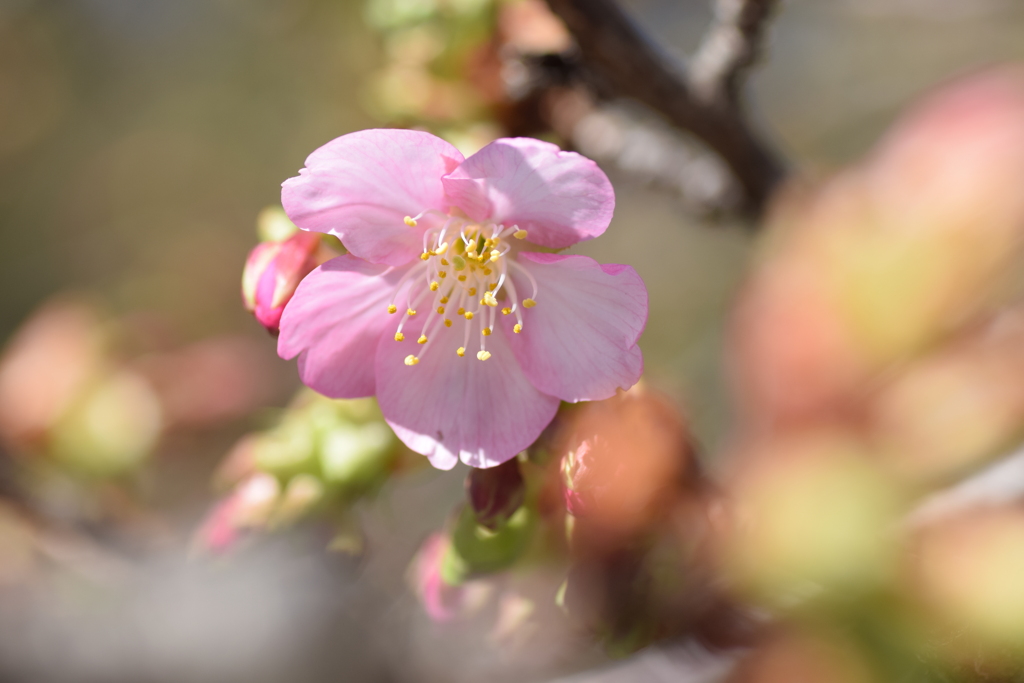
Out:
{"x": 559, "y": 198}
{"x": 333, "y": 324}
{"x": 579, "y": 342}
{"x": 361, "y": 187}
{"x": 447, "y": 407}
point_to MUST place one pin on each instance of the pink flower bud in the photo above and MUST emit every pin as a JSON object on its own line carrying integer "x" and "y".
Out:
{"x": 273, "y": 271}
{"x": 442, "y": 601}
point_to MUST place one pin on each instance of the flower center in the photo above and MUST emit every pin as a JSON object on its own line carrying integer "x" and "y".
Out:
{"x": 465, "y": 273}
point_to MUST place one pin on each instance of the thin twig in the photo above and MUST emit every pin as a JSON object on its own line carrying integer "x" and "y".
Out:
{"x": 731, "y": 46}
{"x": 630, "y": 65}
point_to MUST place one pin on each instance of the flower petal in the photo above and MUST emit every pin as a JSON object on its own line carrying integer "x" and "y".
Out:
{"x": 333, "y": 324}
{"x": 579, "y": 342}
{"x": 447, "y": 407}
{"x": 559, "y": 198}
{"x": 361, "y": 187}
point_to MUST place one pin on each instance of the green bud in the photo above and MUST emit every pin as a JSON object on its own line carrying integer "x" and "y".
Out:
{"x": 476, "y": 549}
{"x": 112, "y": 429}
{"x": 357, "y": 457}
{"x": 287, "y": 450}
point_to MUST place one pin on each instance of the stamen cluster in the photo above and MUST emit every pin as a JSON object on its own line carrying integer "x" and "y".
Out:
{"x": 466, "y": 267}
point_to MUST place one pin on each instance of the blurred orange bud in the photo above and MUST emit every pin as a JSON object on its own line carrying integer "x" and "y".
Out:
{"x": 796, "y": 657}
{"x": 967, "y": 572}
{"x": 791, "y": 353}
{"x": 956, "y": 407}
{"x": 889, "y": 256}
{"x": 45, "y": 366}
{"x": 531, "y": 28}
{"x": 811, "y": 511}
{"x": 626, "y": 460}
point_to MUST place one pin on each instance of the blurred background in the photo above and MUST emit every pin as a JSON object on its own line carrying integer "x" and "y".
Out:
{"x": 139, "y": 142}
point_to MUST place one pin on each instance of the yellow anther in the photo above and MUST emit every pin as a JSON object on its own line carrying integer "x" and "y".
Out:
{"x": 468, "y": 315}
{"x": 471, "y": 254}
{"x": 529, "y": 303}
{"x": 411, "y": 360}
{"x": 486, "y": 332}
{"x": 442, "y": 274}
{"x": 399, "y": 336}
{"x": 489, "y": 299}
{"x": 444, "y": 299}
{"x": 461, "y": 351}
{"x": 495, "y": 254}
{"x": 506, "y": 310}
{"x": 434, "y": 286}
{"x": 422, "y": 339}
{"x": 461, "y": 310}
{"x": 519, "y": 234}
{"x": 472, "y": 291}
{"x": 440, "y": 310}
{"x": 410, "y": 312}
{"x": 483, "y": 355}
{"x": 441, "y": 249}
{"x": 459, "y": 263}
{"x": 444, "y": 262}
{"x": 410, "y": 221}
{"x": 517, "y": 328}
{"x": 392, "y": 308}
{"x": 447, "y": 322}
{"x": 425, "y": 256}
{"x": 462, "y": 278}
{"x": 488, "y": 271}
{"x": 492, "y": 286}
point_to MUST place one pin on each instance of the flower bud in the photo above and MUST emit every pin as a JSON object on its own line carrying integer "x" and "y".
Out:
{"x": 111, "y": 428}
{"x": 442, "y": 600}
{"x": 811, "y": 509}
{"x": 495, "y": 493}
{"x": 45, "y": 368}
{"x": 477, "y": 550}
{"x": 250, "y": 506}
{"x": 626, "y": 460}
{"x": 287, "y": 450}
{"x": 966, "y": 572}
{"x": 356, "y": 457}
{"x": 276, "y": 267}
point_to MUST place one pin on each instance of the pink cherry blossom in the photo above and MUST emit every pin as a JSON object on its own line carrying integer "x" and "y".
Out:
{"x": 468, "y": 339}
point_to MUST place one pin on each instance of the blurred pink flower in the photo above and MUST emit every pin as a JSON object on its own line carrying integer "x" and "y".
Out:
{"x": 437, "y": 240}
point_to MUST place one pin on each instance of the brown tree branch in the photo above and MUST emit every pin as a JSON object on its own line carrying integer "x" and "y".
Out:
{"x": 704, "y": 100}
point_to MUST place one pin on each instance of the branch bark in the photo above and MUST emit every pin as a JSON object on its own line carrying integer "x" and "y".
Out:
{"x": 704, "y": 100}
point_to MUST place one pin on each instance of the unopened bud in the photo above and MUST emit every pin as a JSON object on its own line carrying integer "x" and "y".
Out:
{"x": 477, "y": 550}
{"x": 442, "y": 600}
{"x": 626, "y": 461}
{"x": 273, "y": 271}
{"x": 111, "y": 429}
{"x": 495, "y": 493}
{"x": 357, "y": 458}
{"x": 249, "y": 507}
